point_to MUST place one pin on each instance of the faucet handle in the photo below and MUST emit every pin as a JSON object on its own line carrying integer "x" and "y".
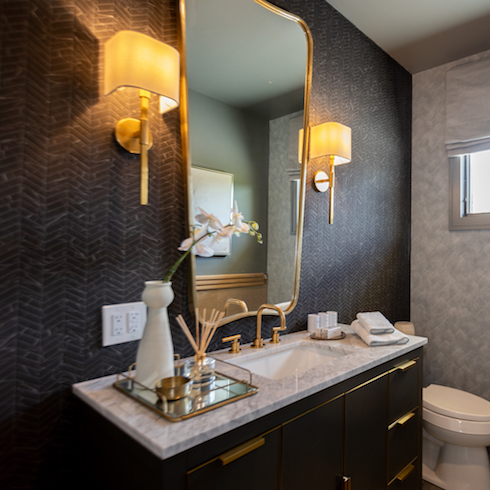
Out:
{"x": 235, "y": 346}
{"x": 275, "y": 334}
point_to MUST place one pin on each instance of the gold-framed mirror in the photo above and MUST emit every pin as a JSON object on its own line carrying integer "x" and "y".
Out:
{"x": 245, "y": 89}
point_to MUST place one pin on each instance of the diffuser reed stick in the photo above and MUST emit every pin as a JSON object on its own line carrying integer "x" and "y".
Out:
{"x": 187, "y": 332}
{"x": 204, "y": 332}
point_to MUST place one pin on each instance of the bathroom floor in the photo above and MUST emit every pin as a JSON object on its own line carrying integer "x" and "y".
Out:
{"x": 428, "y": 486}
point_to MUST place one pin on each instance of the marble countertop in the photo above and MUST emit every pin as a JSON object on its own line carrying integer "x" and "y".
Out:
{"x": 166, "y": 439}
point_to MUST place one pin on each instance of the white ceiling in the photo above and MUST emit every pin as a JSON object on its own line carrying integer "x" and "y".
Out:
{"x": 421, "y": 34}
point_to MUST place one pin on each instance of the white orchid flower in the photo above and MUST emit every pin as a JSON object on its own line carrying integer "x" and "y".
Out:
{"x": 237, "y": 221}
{"x": 209, "y": 219}
{"x": 226, "y": 232}
{"x": 202, "y": 250}
{"x": 196, "y": 242}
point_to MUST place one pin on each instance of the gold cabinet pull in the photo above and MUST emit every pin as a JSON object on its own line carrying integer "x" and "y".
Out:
{"x": 402, "y": 420}
{"x": 242, "y": 450}
{"x": 406, "y": 366}
{"x": 402, "y": 476}
{"x": 346, "y": 483}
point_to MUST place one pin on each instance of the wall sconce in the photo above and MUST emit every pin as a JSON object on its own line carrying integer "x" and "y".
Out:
{"x": 333, "y": 140}
{"x": 136, "y": 60}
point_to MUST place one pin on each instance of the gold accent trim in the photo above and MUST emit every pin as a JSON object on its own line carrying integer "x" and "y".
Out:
{"x": 185, "y": 144}
{"x": 186, "y": 156}
{"x": 402, "y": 420}
{"x": 314, "y": 408}
{"x": 240, "y": 451}
{"x": 367, "y": 382}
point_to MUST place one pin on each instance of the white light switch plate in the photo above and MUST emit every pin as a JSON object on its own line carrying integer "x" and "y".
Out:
{"x": 123, "y": 323}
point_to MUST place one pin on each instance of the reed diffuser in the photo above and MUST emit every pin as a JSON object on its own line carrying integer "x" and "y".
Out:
{"x": 202, "y": 371}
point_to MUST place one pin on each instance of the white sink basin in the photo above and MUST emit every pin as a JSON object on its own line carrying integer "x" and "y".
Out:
{"x": 277, "y": 364}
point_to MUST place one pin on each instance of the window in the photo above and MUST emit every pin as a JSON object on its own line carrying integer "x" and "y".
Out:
{"x": 469, "y": 206}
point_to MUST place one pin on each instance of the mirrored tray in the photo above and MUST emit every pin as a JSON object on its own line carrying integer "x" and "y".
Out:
{"x": 222, "y": 390}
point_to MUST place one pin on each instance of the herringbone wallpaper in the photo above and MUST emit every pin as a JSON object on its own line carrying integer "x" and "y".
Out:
{"x": 74, "y": 236}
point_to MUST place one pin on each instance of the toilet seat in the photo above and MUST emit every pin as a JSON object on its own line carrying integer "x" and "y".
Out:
{"x": 455, "y": 424}
{"x": 457, "y": 404}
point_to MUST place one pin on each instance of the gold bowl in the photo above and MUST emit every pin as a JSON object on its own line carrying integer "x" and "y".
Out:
{"x": 173, "y": 388}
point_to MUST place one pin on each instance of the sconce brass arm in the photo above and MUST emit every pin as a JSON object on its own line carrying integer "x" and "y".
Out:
{"x": 144, "y": 143}
{"x": 331, "y": 185}
{"x": 134, "y": 136}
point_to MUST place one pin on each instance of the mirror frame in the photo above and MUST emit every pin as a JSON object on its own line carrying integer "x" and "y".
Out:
{"x": 186, "y": 156}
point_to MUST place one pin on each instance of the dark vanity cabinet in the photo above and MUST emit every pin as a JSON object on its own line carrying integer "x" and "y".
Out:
{"x": 312, "y": 447}
{"x": 365, "y": 441}
{"x": 361, "y": 434}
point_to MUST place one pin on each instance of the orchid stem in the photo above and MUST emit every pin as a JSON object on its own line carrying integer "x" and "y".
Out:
{"x": 172, "y": 270}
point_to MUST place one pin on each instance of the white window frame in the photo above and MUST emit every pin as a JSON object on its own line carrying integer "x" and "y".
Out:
{"x": 458, "y": 190}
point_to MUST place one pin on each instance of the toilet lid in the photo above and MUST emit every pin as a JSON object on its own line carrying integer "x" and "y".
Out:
{"x": 456, "y": 403}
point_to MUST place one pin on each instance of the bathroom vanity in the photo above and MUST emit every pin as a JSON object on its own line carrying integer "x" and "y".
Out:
{"x": 351, "y": 423}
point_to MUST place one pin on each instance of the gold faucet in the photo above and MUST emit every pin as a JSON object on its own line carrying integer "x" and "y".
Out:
{"x": 259, "y": 341}
{"x": 239, "y": 302}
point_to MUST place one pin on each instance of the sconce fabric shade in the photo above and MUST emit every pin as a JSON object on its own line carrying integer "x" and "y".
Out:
{"x": 136, "y": 60}
{"x": 329, "y": 139}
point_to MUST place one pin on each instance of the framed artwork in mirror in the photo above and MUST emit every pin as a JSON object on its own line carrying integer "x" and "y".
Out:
{"x": 212, "y": 191}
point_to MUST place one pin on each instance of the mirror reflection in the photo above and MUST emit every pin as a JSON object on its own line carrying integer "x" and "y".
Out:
{"x": 246, "y": 71}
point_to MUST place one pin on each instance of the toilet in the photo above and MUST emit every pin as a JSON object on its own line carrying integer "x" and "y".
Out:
{"x": 456, "y": 433}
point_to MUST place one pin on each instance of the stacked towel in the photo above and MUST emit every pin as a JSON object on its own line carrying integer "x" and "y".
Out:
{"x": 395, "y": 338}
{"x": 375, "y": 323}
{"x": 375, "y": 329}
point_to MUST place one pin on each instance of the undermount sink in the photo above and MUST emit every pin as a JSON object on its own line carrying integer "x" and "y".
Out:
{"x": 278, "y": 364}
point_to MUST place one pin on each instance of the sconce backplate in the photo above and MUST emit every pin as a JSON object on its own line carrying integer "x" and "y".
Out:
{"x": 128, "y": 135}
{"x": 321, "y": 180}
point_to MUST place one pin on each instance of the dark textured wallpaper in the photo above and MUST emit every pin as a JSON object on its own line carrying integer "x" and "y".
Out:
{"x": 74, "y": 237}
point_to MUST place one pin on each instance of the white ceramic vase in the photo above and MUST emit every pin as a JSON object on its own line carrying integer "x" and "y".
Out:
{"x": 155, "y": 357}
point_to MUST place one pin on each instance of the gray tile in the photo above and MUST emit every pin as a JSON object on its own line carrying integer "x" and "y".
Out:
{"x": 450, "y": 271}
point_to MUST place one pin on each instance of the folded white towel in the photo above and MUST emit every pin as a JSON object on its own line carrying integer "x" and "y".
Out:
{"x": 375, "y": 323}
{"x": 395, "y": 338}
